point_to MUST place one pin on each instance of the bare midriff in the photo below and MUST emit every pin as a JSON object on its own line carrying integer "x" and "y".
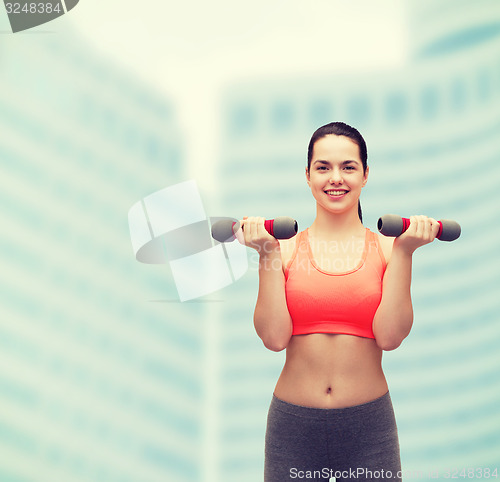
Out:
{"x": 331, "y": 371}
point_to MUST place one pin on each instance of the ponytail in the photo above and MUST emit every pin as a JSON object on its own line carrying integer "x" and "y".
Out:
{"x": 360, "y": 214}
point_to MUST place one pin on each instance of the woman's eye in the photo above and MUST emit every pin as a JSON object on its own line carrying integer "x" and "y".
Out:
{"x": 350, "y": 168}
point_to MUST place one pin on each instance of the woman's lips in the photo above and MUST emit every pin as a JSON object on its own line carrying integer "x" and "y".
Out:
{"x": 336, "y": 193}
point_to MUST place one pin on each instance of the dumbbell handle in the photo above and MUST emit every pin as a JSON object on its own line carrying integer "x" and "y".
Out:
{"x": 394, "y": 225}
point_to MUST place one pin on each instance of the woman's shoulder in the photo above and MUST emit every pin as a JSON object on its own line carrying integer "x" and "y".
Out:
{"x": 386, "y": 243}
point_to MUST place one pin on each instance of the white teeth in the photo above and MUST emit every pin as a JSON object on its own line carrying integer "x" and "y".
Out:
{"x": 336, "y": 193}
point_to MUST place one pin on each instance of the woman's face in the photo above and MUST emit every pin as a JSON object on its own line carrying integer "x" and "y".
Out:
{"x": 336, "y": 175}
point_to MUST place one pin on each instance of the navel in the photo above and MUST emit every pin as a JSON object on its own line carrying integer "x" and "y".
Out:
{"x": 329, "y": 390}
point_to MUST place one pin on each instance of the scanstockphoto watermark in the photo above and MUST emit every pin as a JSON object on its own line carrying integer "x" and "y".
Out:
{"x": 333, "y": 475}
{"x": 24, "y": 15}
{"x": 352, "y": 245}
{"x": 170, "y": 226}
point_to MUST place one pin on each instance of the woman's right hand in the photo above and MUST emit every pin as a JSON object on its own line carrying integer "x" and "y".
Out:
{"x": 253, "y": 234}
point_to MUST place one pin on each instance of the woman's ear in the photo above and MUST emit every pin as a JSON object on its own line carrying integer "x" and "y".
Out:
{"x": 308, "y": 178}
{"x": 366, "y": 176}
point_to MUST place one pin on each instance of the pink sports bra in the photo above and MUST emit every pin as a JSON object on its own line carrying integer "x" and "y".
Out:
{"x": 325, "y": 302}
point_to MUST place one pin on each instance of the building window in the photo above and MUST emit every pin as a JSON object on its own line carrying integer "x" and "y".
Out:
{"x": 458, "y": 95}
{"x": 396, "y": 108}
{"x": 243, "y": 120}
{"x": 282, "y": 116}
{"x": 484, "y": 85}
{"x": 321, "y": 113}
{"x": 429, "y": 102}
{"x": 358, "y": 111}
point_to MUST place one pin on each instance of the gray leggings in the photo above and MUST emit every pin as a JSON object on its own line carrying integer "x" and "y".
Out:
{"x": 358, "y": 443}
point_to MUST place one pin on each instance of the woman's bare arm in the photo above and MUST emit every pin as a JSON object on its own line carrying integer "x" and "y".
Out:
{"x": 394, "y": 317}
{"x": 272, "y": 320}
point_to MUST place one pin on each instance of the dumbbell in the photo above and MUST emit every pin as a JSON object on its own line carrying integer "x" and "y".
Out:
{"x": 282, "y": 227}
{"x": 394, "y": 225}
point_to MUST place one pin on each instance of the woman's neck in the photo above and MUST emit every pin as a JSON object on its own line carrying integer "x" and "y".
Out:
{"x": 341, "y": 225}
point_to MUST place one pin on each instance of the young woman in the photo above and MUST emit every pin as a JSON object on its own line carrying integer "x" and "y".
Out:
{"x": 335, "y": 296}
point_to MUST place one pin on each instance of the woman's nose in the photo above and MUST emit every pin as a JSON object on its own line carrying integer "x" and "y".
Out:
{"x": 335, "y": 176}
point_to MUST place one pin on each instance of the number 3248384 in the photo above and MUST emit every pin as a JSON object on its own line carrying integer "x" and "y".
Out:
{"x": 33, "y": 7}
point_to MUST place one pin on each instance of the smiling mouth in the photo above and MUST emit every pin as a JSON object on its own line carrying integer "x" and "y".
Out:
{"x": 336, "y": 192}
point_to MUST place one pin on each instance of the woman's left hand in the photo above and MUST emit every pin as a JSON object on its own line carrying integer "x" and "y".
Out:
{"x": 422, "y": 230}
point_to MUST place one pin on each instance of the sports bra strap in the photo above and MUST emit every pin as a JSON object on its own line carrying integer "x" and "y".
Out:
{"x": 299, "y": 242}
{"x": 376, "y": 239}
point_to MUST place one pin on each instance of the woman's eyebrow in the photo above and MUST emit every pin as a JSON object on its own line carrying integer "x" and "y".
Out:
{"x": 348, "y": 161}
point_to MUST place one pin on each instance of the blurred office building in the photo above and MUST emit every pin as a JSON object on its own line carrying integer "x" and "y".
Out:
{"x": 432, "y": 128}
{"x": 100, "y": 365}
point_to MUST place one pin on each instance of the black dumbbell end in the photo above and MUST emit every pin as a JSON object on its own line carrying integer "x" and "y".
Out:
{"x": 451, "y": 230}
{"x": 390, "y": 225}
{"x": 223, "y": 231}
{"x": 284, "y": 227}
